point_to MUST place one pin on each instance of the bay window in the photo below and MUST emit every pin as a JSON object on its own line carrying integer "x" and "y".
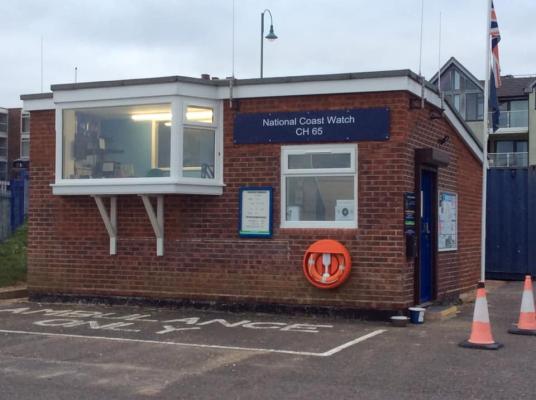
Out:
{"x": 139, "y": 146}
{"x": 319, "y": 186}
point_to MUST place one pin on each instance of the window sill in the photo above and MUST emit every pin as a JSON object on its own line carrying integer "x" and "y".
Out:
{"x": 319, "y": 226}
{"x": 134, "y": 186}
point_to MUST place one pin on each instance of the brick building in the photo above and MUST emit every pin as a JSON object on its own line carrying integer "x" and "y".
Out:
{"x": 14, "y": 141}
{"x": 160, "y": 189}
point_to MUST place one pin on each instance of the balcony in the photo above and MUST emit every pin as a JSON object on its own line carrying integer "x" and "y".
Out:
{"x": 518, "y": 119}
{"x": 508, "y": 160}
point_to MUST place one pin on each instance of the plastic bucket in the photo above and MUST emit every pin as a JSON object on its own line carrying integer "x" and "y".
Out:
{"x": 416, "y": 315}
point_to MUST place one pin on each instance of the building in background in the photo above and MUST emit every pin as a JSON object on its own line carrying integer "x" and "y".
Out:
{"x": 514, "y": 143}
{"x": 3, "y": 144}
{"x": 14, "y": 142}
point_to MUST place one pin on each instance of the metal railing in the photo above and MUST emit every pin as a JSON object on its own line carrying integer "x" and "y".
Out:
{"x": 514, "y": 119}
{"x": 508, "y": 160}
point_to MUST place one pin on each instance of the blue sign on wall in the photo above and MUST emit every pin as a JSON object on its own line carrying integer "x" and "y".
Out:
{"x": 346, "y": 125}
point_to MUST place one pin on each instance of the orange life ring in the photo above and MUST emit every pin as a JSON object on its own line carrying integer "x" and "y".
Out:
{"x": 326, "y": 264}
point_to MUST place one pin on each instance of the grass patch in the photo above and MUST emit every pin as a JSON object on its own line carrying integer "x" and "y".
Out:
{"x": 13, "y": 258}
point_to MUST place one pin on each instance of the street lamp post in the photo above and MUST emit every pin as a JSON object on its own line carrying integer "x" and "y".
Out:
{"x": 271, "y": 35}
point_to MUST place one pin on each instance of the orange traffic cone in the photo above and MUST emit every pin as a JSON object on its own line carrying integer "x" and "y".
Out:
{"x": 527, "y": 316}
{"x": 481, "y": 337}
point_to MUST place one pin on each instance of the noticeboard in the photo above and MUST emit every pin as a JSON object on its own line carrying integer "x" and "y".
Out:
{"x": 255, "y": 212}
{"x": 448, "y": 221}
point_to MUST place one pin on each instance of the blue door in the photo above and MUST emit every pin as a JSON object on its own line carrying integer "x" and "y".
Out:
{"x": 426, "y": 240}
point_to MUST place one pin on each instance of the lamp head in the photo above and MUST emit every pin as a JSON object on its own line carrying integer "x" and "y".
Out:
{"x": 271, "y": 35}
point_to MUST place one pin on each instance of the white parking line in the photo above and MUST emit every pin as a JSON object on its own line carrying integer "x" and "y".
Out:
{"x": 206, "y": 346}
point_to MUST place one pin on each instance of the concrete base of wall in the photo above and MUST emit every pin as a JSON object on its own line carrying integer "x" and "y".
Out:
{"x": 17, "y": 292}
{"x": 350, "y": 313}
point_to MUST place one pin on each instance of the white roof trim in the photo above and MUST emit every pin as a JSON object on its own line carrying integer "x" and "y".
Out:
{"x": 38, "y": 104}
{"x": 277, "y": 89}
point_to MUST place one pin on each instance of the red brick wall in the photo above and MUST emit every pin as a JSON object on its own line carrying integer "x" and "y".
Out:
{"x": 457, "y": 271}
{"x": 204, "y": 257}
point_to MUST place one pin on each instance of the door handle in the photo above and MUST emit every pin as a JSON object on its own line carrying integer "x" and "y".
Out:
{"x": 426, "y": 228}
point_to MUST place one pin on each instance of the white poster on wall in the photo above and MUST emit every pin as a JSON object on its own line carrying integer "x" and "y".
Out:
{"x": 448, "y": 221}
{"x": 255, "y": 212}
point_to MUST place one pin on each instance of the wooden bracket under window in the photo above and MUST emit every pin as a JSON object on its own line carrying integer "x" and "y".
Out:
{"x": 157, "y": 220}
{"x": 109, "y": 219}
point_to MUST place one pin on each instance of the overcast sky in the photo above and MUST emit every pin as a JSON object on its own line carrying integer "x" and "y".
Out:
{"x": 117, "y": 39}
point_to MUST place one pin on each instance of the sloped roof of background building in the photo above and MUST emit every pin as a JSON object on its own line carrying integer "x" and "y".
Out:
{"x": 512, "y": 86}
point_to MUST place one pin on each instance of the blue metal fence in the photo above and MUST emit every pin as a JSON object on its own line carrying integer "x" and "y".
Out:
{"x": 511, "y": 223}
{"x": 19, "y": 200}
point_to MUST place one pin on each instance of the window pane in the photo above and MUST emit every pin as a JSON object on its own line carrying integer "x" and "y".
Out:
{"x": 25, "y": 123}
{"x": 116, "y": 142}
{"x": 469, "y": 85}
{"x": 3, "y": 147}
{"x": 3, "y": 171}
{"x": 518, "y": 105}
{"x": 504, "y": 146}
{"x": 3, "y": 122}
{"x": 198, "y": 153}
{"x": 519, "y": 113}
{"x": 25, "y": 148}
{"x": 457, "y": 102}
{"x": 456, "y": 80}
{"x": 474, "y": 103}
{"x": 446, "y": 81}
{"x": 320, "y": 198}
{"x": 319, "y": 160}
{"x": 522, "y": 146}
{"x": 200, "y": 114}
{"x": 480, "y": 109}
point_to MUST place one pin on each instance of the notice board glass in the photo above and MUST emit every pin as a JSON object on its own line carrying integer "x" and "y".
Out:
{"x": 255, "y": 212}
{"x": 448, "y": 221}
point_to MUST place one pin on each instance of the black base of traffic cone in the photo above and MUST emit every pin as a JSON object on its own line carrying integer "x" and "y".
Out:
{"x": 517, "y": 331}
{"x": 468, "y": 345}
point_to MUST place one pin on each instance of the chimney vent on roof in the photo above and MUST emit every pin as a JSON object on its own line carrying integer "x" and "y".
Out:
{"x": 205, "y": 76}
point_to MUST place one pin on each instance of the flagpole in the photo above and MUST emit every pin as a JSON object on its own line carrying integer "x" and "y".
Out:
{"x": 485, "y": 144}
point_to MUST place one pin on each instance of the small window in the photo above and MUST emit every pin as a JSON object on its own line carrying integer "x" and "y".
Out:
{"x": 3, "y": 123}
{"x": 25, "y": 148}
{"x": 457, "y": 80}
{"x": 199, "y": 115}
{"x": 3, "y": 171}
{"x": 3, "y": 147}
{"x": 25, "y": 123}
{"x": 319, "y": 185}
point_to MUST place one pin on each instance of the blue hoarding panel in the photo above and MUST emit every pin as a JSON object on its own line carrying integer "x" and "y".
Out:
{"x": 511, "y": 219}
{"x": 346, "y": 125}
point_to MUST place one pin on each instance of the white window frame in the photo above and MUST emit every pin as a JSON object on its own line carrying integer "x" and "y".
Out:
{"x": 175, "y": 183}
{"x": 217, "y": 122}
{"x": 24, "y": 135}
{"x": 346, "y": 148}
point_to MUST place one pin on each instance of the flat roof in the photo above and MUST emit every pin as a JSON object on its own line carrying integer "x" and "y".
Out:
{"x": 216, "y": 82}
{"x": 36, "y": 96}
{"x": 225, "y": 82}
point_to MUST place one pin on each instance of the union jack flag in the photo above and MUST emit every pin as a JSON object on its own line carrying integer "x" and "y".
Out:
{"x": 495, "y": 78}
{"x": 495, "y": 39}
